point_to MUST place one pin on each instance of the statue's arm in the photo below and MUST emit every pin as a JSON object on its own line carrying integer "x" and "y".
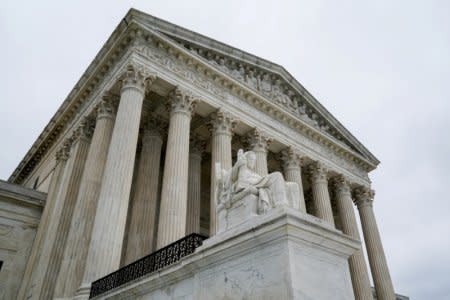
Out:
{"x": 235, "y": 169}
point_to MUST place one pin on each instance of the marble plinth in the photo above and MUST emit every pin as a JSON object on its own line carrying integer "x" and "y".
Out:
{"x": 283, "y": 254}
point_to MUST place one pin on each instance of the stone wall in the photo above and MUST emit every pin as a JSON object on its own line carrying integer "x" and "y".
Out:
{"x": 20, "y": 212}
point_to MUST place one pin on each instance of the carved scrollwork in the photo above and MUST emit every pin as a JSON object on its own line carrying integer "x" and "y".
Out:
{"x": 106, "y": 108}
{"x": 222, "y": 122}
{"x": 290, "y": 158}
{"x": 137, "y": 78}
{"x": 258, "y": 140}
{"x": 64, "y": 152}
{"x": 318, "y": 173}
{"x": 197, "y": 145}
{"x": 84, "y": 130}
{"x": 154, "y": 127}
{"x": 182, "y": 101}
{"x": 341, "y": 185}
{"x": 363, "y": 196}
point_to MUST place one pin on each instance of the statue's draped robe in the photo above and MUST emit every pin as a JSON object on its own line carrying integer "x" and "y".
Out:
{"x": 271, "y": 188}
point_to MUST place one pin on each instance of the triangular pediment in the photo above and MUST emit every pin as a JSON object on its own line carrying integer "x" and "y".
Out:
{"x": 265, "y": 78}
{"x": 268, "y": 81}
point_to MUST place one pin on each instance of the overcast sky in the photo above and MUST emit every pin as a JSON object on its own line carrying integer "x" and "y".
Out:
{"x": 382, "y": 68}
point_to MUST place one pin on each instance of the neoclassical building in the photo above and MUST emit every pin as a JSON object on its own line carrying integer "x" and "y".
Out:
{"x": 129, "y": 165}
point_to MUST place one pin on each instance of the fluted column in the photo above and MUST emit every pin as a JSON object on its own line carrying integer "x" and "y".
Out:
{"x": 62, "y": 156}
{"x": 54, "y": 246}
{"x": 357, "y": 264}
{"x": 109, "y": 225}
{"x": 141, "y": 230}
{"x": 293, "y": 172}
{"x": 196, "y": 149}
{"x": 321, "y": 196}
{"x": 79, "y": 236}
{"x": 172, "y": 218}
{"x": 221, "y": 127}
{"x": 363, "y": 198}
{"x": 259, "y": 143}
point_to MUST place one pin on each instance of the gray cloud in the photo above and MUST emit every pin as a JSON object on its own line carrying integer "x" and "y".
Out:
{"x": 381, "y": 68}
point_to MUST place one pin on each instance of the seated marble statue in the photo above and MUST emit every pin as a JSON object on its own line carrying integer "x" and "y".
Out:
{"x": 242, "y": 180}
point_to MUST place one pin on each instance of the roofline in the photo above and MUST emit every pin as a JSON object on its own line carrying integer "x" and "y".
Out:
{"x": 183, "y": 33}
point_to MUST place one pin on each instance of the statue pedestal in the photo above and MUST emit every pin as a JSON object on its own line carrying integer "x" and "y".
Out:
{"x": 283, "y": 254}
{"x": 238, "y": 212}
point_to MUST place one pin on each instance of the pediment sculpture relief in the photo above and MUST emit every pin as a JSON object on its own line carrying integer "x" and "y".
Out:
{"x": 242, "y": 193}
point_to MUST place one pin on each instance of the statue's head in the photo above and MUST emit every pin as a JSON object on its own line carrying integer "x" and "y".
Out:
{"x": 251, "y": 159}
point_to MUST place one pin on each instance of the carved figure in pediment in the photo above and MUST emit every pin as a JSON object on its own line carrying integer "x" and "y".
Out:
{"x": 324, "y": 127}
{"x": 222, "y": 65}
{"x": 278, "y": 95}
{"x": 302, "y": 108}
{"x": 265, "y": 84}
{"x": 314, "y": 121}
{"x": 219, "y": 62}
{"x": 210, "y": 57}
{"x": 294, "y": 101}
{"x": 238, "y": 73}
{"x": 251, "y": 79}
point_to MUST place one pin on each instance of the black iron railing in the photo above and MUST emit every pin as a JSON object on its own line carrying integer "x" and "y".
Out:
{"x": 148, "y": 264}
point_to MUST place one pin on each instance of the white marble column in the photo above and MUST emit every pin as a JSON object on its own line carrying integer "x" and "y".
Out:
{"x": 55, "y": 243}
{"x": 357, "y": 264}
{"x": 141, "y": 230}
{"x": 221, "y": 127}
{"x": 105, "y": 247}
{"x": 62, "y": 156}
{"x": 292, "y": 172}
{"x": 196, "y": 149}
{"x": 363, "y": 198}
{"x": 321, "y": 197}
{"x": 74, "y": 259}
{"x": 172, "y": 217}
{"x": 259, "y": 143}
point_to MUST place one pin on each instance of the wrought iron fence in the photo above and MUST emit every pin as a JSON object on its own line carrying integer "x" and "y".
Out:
{"x": 148, "y": 264}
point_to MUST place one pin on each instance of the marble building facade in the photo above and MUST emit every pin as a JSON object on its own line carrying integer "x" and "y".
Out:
{"x": 128, "y": 161}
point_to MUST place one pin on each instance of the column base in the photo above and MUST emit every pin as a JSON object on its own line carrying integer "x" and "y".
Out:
{"x": 83, "y": 292}
{"x": 284, "y": 254}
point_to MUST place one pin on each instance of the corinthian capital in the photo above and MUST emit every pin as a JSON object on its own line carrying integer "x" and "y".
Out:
{"x": 182, "y": 101}
{"x": 363, "y": 196}
{"x": 318, "y": 173}
{"x": 106, "y": 107}
{"x": 136, "y": 78}
{"x": 154, "y": 126}
{"x": 197, "y": 145}
{"x": 222, "y": 123}
{"x": 341, "y": 185}
{"x": 290, "y": 158}
{"x": 258, "y": 140}
{"x": 84, "y": 130}
{"x": 64, "y": 152}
